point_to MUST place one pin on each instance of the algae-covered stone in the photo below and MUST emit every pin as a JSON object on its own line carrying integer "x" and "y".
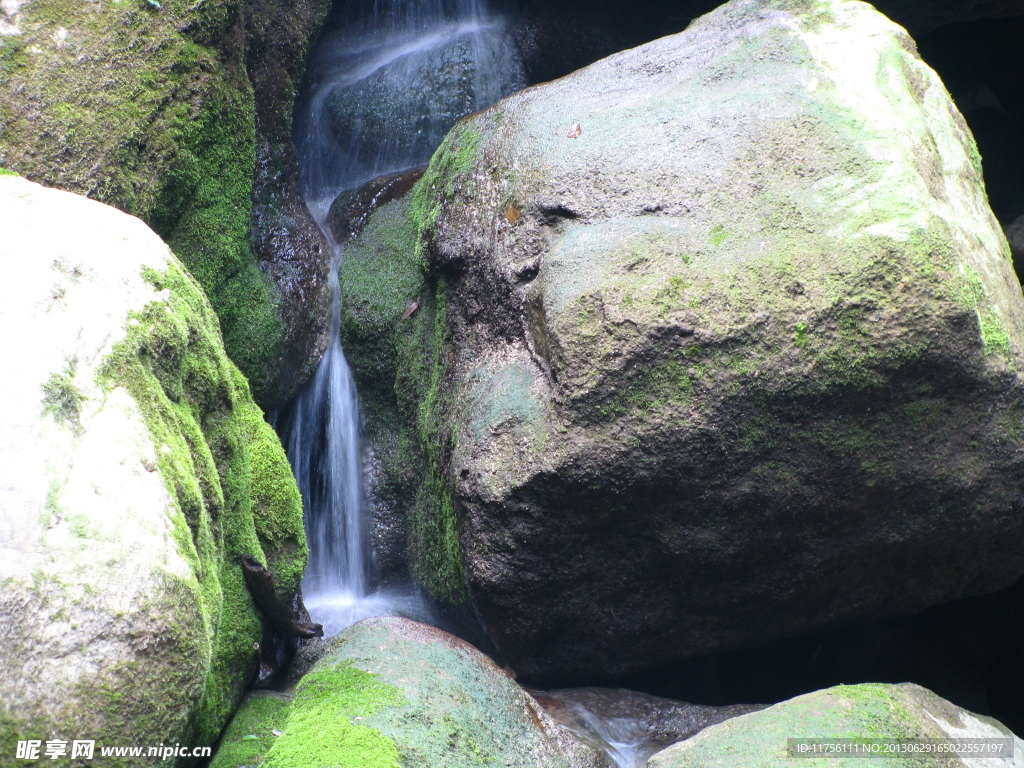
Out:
{"x": 720, "y": 342}
{"x": 135, "y": 472}
{"x": 151, "y": 107}
{"x": 393, "y": 693}
{"x": 864, "y": 715}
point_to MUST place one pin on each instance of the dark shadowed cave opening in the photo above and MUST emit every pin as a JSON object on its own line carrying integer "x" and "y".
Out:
{"x": 967, "y": 651}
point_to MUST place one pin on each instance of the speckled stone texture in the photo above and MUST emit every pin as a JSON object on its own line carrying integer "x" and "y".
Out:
{"x": 738, "y": 361}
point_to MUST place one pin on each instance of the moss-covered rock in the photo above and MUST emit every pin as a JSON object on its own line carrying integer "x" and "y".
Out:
{"x": 150, "y": 107}
{"x": 392, "y": 693}
{"x": 720, "y": 342}
{"x": 136, "y": 472}
{"x": 850, "y": 715}
{"x": 253, "y": 730}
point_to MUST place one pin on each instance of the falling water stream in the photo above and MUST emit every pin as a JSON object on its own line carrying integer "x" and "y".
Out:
{"x": 383, "y": 93}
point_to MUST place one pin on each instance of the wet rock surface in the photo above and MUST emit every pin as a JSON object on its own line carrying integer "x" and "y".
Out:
{"x": 351, "y": 210}
{"x": 289, "y": 246}
{"x": 631, "y": 724}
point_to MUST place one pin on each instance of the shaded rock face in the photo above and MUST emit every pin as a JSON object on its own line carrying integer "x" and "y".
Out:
{"x": 556, "y": 37}
{"x": 1015, "y": 236}
{"x": 737, "y": 361}
{"x": 136, "y": 471}
{"x": 351, "y": 210}
{"x": 923, "y": 16}
{"x": 872, "y": 711}
{"x": 181, "y": 116}
{"x": 290, "y": 247}
{"x": 392, "y": 692}
{"x": 982, "y": 64}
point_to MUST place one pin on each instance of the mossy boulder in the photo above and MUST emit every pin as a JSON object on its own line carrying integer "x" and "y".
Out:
{"x": 869, "y": 713}
{"x": 136, "y": 472}
{"x": 392, "y": 693}
{"x": 719, "y": 342}
{"x": 179, "y": 113}
{"x": 253, "y": 730}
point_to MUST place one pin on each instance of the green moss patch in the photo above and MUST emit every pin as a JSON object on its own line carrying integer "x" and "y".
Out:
{"x": 323, "y": 728}
{"x": 424, "y": 393}
{"x": 223, "y": 467}
{"x": 250, "y": 736}
{"x": 62, "y": 398}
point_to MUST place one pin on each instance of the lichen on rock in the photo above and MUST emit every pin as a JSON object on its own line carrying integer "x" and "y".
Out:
{"x": 392, "y": 693}
{"x": 137, "y": 470}
{"x": 888, "y": 716}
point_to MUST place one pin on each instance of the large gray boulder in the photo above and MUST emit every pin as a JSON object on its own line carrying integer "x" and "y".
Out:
{"x": 718, "y": 342}
{"x": 847, "y": 714}
{"x": 135, "y": 471}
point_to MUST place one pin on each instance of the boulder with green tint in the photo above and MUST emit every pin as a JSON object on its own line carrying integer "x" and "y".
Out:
{"x": 725, "y": 346}
{"x": 869, "y": 713}
{"x": 392, "y": 693}
{"x": 136, "y": 471}
{"x": 180, "y": 113}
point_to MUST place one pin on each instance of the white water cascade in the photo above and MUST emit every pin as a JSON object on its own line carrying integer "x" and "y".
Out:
{"x": 384, "y": 92}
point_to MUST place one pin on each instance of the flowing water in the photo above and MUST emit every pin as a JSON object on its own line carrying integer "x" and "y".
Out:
{"x": 386, "y": 89}
{"x": 623, "y": 738}
{"x": 384, "y": 92}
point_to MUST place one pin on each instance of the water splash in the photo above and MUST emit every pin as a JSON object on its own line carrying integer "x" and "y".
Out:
{"x": 384, "y": 92}
{"x": 624, "y": 738}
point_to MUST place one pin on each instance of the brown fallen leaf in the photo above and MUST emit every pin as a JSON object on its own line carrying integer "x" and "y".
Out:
{"x": 410, "y": 311}
{"x": 575, "y": 131}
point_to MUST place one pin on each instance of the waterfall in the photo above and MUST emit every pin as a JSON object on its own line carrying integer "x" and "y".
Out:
{"x": 383, "y": 92}
{"x": 387, "y": 88}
